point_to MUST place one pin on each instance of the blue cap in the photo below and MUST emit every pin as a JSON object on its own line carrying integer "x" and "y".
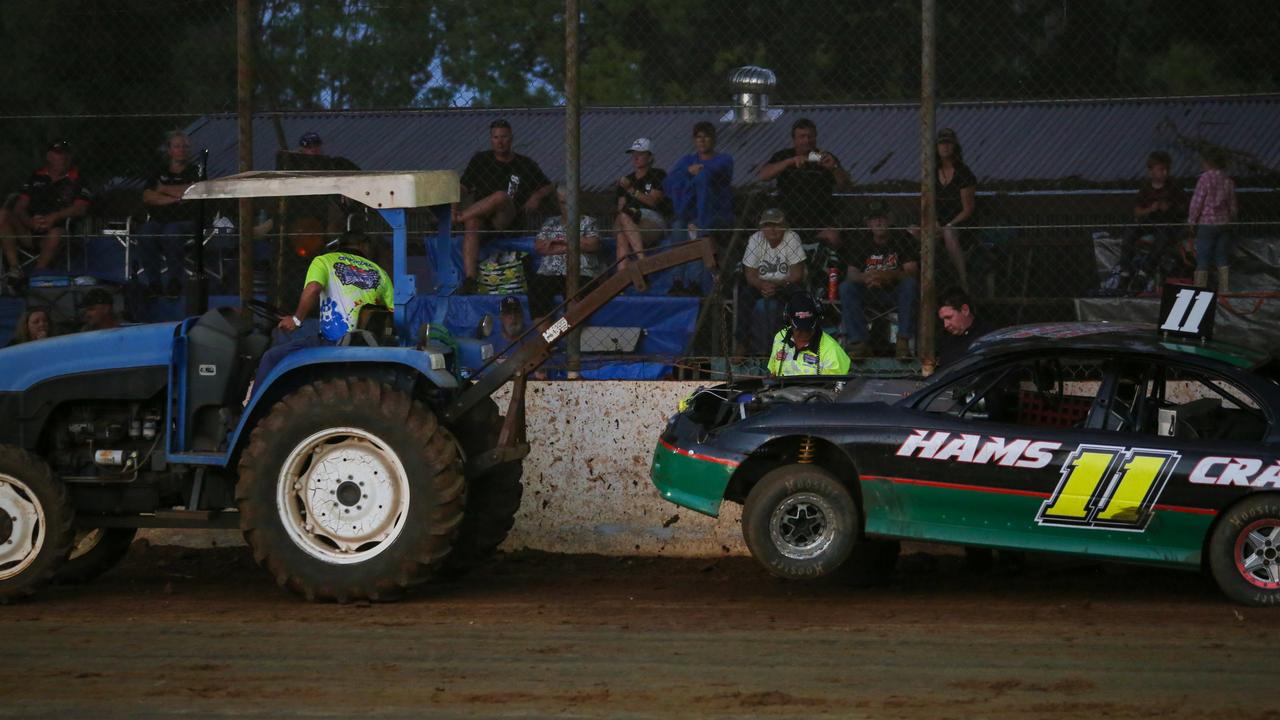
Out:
{"x": 310, "y": 138}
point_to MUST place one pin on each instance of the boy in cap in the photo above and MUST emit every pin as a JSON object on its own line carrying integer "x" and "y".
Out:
{"x": 643, "y": 208}
{"x": 773, "y": 267}
{"x": 50, "y": 196}
{"x": 802, "y": 348}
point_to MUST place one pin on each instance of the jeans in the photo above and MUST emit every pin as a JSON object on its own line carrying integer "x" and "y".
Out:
{"x": 693, "y": 273}
{"x": 854, "y": 297}
{"x": 163, "y": 239}
{"x": 1213, "y": 246}
{"x": 307, "y": 336}
{"x": 759, "y": 317}
{"x": 1163, "y": 238}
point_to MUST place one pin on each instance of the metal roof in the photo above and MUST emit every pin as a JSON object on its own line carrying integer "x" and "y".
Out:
{"x": 1009, "y": 145}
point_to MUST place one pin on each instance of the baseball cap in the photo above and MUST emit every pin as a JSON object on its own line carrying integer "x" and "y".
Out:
{"x": 802, "y": 311}
{"x": 60, "y": 145}
{"x": 310, "y": 138}
{"x": 641, "y": 145}
{"x": 510, "y": 305}
{"x": 97, "y": 296}
{"x": 772, "y": 216}
{"x": 947, "y": 135}
{"x": 876, "y": 209}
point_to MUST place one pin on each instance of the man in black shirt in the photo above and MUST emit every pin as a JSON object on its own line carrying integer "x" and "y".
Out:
{"x": 172, "y": 221}
{"x": 643, "y": 208}
{"x": 962, "y": 324}
{"x": 806, "y": 178}
{"x": 50, "y": 196}
{"x": 882, "y": 273}
{"x": 507, "y": 189}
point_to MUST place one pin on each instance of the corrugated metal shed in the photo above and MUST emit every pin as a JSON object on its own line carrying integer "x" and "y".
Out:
{"x": 1010, "y": 145}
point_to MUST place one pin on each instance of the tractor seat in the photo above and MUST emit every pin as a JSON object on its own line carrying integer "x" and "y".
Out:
{"x": 374, "y": 326}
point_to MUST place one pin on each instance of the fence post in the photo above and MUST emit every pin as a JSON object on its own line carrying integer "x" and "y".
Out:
{"x": 928, "y": 171}
{"x": 572, "y": 157}
{"x": 244, "y": 113}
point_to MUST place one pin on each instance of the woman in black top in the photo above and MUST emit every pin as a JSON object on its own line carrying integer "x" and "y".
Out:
{"x": 954, "y": 190}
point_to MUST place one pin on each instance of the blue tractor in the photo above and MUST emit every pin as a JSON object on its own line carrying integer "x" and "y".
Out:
{"x": 355, "y": 472}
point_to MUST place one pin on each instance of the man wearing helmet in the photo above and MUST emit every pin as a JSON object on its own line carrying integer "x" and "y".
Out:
{"x": 802, "y": 348}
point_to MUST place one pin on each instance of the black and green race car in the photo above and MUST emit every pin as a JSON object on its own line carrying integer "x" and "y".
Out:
{"x": 1093, "y": 439}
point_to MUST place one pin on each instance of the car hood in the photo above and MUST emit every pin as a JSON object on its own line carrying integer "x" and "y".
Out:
{"x": 22, "y": 366}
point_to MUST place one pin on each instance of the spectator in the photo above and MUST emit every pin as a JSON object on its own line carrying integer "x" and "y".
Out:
{"x": 172, "y": 221}
{"x": 311, "y": 143}
{"x": 1158, "y": 211}
{"x": 642, "y": 206}
{"x": 960, "y": 320}
{"x": 340, "y": 284}
{"x": 553, "y": 246}
{"x": 701, "y": 192}
{"x": 99, "y": 311}
{"x": 1213, "y": 207}
{"x": 51, "y": 196}
{"x": 34, "y": 324}
{"x": 507, "y": 189}
{"x": 772, "y": 270}
{"x": 883, "y": 273}
{"x": 511, "y": 319}
{"x": 807, "y": 177}
{"x": 802, "y": 348}
{"x": 310, "y": 221}
{"x": 955, "y": 193}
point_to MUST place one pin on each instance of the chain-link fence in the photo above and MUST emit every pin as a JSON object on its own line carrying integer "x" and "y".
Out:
{"x": 789, "y": 134}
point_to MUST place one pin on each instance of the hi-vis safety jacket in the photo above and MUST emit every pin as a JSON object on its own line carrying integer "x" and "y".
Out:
{"x": 828, "y": 359}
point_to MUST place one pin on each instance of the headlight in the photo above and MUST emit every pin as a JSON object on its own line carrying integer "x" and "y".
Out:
{"x": 486, "y": 351}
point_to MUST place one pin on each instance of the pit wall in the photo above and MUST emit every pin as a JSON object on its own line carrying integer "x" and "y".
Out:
{"x": 586, "y": 480}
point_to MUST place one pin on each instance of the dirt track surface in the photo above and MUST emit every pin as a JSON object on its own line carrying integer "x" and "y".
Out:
{"x": 205, "y": 633}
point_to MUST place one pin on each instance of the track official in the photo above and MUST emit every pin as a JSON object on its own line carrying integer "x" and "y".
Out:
{"x": 802, "y": 348}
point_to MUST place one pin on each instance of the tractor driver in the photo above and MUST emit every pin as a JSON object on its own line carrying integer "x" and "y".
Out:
{"x": 802, "y": 348}
{"x": 340, "y": 284}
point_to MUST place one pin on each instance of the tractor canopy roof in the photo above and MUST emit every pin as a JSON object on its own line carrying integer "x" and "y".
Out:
{"x": 378, "y": 190}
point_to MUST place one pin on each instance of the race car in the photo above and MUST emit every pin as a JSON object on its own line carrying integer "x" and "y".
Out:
{"x": 1094, "y": 439}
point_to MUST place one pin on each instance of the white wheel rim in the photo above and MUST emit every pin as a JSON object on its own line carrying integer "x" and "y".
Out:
{"x": 25, "y": 527}
{"x": 803, "y": 526}
{"x": 343, "y": 495}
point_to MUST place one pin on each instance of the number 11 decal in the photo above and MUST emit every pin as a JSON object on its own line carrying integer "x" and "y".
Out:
{"x": 1109, "y": 487}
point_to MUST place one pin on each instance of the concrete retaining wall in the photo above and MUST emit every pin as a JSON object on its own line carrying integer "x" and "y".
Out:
{"x": 587, "y": 486}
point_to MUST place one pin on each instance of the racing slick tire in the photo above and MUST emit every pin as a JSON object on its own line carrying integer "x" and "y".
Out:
{"x": 35, "y": 523}
{"x": 493, "y": 497}
{"x": 93, "y": 552}
{"x": 800, "y": 522}
{"x": 1244, "y": 551}
{"x": 349, "y": 490}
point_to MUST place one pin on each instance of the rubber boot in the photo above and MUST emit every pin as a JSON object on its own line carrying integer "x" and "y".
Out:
{"x": 1223, "y": 274}
{"x": 1202, "y": 278}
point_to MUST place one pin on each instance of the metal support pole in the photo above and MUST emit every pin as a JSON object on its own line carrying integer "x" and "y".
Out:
{"x": 572, "y": 158}
{"x": 928, "y": 207}
{"x": 244, "y": 113}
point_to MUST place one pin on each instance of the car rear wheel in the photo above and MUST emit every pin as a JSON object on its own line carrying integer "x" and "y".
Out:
{"x": 800, "y": 522}
{"x": 1244, "y": 551}
{"x": 35, "y": 523}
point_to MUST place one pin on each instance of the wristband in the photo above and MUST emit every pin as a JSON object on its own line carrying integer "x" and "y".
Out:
{"x": 296, "y": 321}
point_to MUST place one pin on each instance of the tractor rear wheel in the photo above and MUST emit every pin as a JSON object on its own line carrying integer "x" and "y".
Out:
{"x": 35, "y": 523}
{"x": 493, "y": 496}
{"x": 349, "y": 490}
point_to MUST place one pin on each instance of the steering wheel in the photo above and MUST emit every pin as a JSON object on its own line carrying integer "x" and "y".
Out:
{"x": 265, "y": 315}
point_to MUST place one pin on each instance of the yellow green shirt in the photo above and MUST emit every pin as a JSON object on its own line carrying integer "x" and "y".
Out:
{"x": 348, "y": 282}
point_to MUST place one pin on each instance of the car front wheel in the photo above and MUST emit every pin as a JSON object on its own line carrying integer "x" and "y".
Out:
{"x": 800, "y": 522}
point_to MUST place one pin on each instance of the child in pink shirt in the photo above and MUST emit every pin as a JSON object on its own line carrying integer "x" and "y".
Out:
{"x": 1213, "y": 207}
